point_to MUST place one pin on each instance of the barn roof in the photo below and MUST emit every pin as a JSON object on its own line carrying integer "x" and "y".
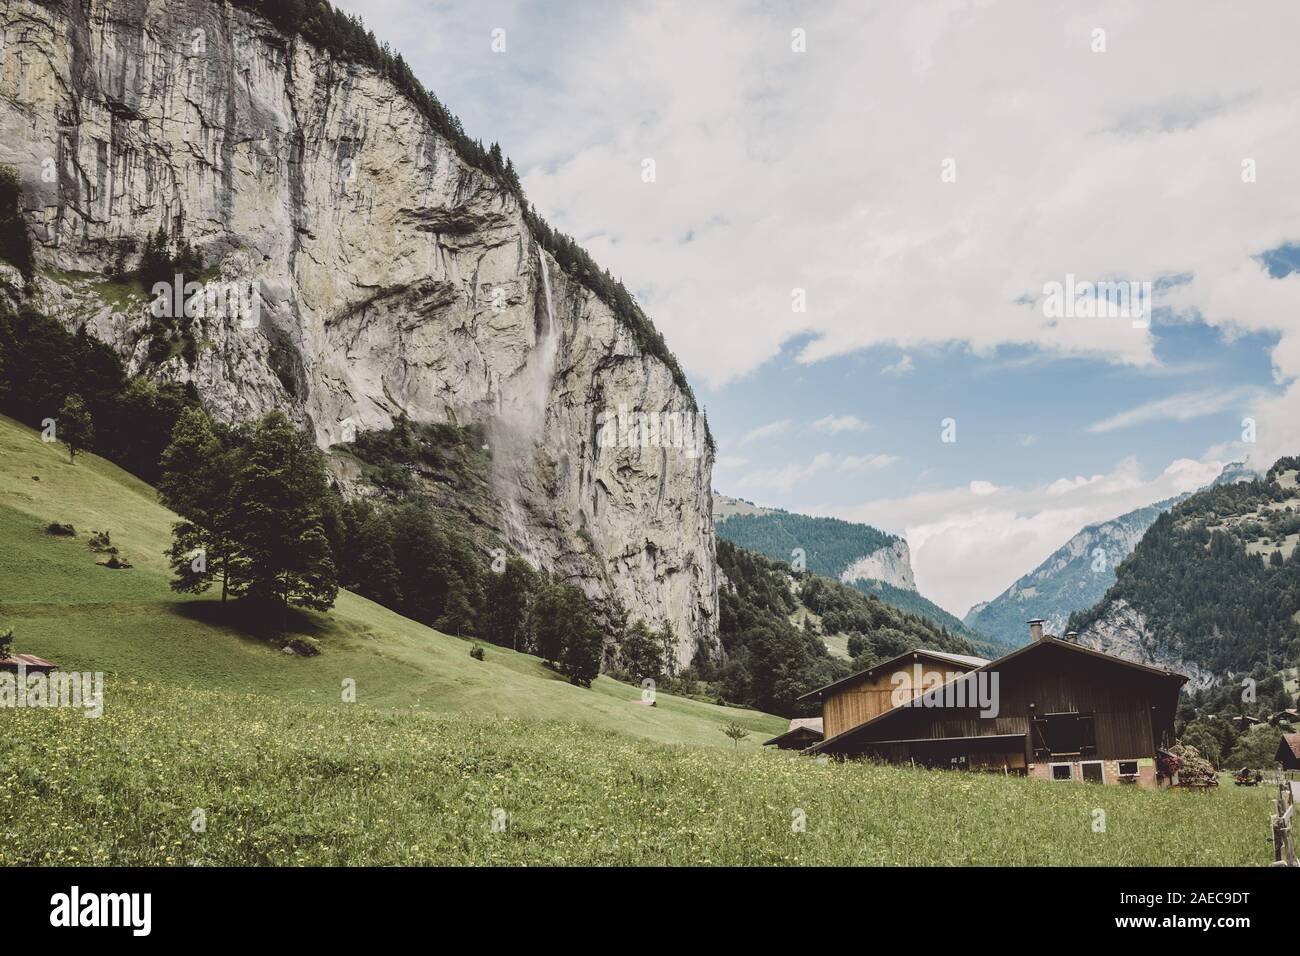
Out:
{"x": 1291, "y": 742}
{"x": 1030, "y": 648}
{"x": 799, "y": 726}
{"x": 30, "y": 661}
{"x": 970, "y": 663}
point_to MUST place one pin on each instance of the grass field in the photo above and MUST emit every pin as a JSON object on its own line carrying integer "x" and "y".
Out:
{"x": 297, "y": 783}
{"x": 198, "y": 716}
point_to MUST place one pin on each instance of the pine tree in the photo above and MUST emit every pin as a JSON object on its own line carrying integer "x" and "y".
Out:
{"x": 641, "y": 654}
{"x": 15, "y": 244}
{"x": 370, "y": 556}
{"x": 549, "y": 623}
{"x": 280, "y": 489}
{"x": 155, "y": 260}
{"x": 583, "y": 644}
{"x": 458, "y": 615}
{"x": 75, "y": 427}
{"x": 197, "y": 482}
{"x": 507, "y": 605}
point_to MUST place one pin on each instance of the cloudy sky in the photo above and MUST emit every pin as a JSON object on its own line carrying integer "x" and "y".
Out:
{"x": 920, "y": 172}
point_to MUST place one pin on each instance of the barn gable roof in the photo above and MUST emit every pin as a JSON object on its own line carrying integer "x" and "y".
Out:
{"x": 29, "y": 661}
{"x": 1292, "y": 743}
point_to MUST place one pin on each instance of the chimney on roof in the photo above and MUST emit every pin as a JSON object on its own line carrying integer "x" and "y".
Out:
{"x": 1036, "y": 629}
{"x": 1072, "y": 636}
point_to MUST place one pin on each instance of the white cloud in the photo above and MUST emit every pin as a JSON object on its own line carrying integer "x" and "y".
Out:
{"x": 786, "y": 477}
{"x": 1179, "y": 408}
{"x": 770, "y": 430}
{"x": 968, "y": 548}
{"x": 840, "y": 423}
{"x": 789, "y": 476}
{"x": 729, "y": 462}
{"x": 887, "y": 252}
{"x": 1063, "y": 486}
{"x": 903, "y": 366}
{"x": 867, "y": 462}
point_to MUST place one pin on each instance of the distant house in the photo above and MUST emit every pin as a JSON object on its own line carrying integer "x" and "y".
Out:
{"x": 855, "y": 699}
{"x": 1288, "y": 752}
{"x": 33, "y": 664}
{"x": 803, "y": 733}
{"x": 1288, "y": 716}
{"x": 1051, "y": 709}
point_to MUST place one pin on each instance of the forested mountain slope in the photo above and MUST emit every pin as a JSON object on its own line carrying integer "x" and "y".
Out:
{"x": 1214, "y": 584}
{"x": 775, "y": 624}
{"x": 867, "y": 559}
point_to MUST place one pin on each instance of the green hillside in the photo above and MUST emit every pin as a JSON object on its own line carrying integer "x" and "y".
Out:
{"x": 1217, "y": 578}
{"x": 64, "y": 606}
{"x": 913, "y": 602}
{"x": 788, "y": 632}
{"x": 831, "y": 545}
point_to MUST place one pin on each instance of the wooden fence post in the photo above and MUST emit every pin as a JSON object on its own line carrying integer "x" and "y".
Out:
{"x": 1284, "y": 827}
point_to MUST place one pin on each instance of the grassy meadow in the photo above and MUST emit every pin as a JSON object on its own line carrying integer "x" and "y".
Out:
{"x": 284, "y": 783}
{"x": 198, "y": 716}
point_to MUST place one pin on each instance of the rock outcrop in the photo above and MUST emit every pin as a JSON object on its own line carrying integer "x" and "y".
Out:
{"x": 1123, "y": 632}
{"x": 891, "y": 564}
{"x": 390, "y": 276}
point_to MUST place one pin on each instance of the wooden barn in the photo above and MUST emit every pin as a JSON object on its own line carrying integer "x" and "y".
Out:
{"x": 803, "y": 733}
{"x": 1051, "y": 709}
{"x": 1288, "y": 752}
{"x": 860, "y": 697}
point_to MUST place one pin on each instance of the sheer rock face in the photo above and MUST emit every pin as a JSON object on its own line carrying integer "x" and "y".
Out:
{"x": 391, "y": 276}
{"x": 891, "y": 564}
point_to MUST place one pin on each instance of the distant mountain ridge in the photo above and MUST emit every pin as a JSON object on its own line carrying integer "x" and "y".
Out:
{"x": 872, "y": 562}
{"x": 1077, "y": 575}
{"x": 1074, "y": 577}
{"x": 1213, "y": 587}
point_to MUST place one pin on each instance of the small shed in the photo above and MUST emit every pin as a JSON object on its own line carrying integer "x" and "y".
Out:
{"x": 803, "y": 732}
{"x": 1288, "y": 752}
{"x": 32, "y": 663}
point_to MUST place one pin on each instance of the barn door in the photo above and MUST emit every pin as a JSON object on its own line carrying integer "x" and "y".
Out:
{"x": 1038, "y": 738}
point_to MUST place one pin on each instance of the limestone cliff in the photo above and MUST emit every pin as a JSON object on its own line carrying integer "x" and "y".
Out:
{"x": 891, "y": 564}
{"x": 390, "y": 276}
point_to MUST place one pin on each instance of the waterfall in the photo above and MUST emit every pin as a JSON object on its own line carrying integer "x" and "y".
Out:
{"x": 546, "y": 290}
{"x": 520, "y": 424}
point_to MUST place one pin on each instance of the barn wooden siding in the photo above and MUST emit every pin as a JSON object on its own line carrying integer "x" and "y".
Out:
{"x": 853, "y": 704}
{"x": 1131, "y": 711}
